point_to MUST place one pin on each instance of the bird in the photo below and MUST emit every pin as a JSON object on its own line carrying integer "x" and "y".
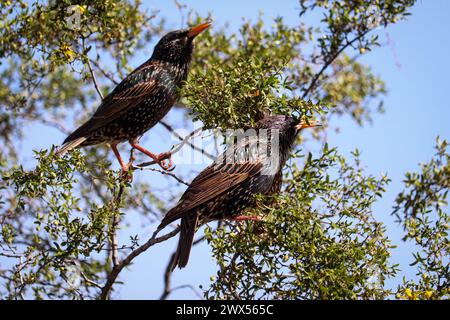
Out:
{"x": 141, "y": 99}
{"x": 251, "y": 165}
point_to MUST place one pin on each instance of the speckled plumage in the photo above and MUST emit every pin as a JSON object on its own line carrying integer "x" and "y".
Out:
{"x": 152, "y": 107}
{"x": 225, "y": 189}
{"x": 143, "y": 98}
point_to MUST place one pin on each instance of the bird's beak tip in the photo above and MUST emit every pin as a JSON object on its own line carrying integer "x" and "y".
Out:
{"x": 196, "y": 30}
{"x": 311, "y": 124}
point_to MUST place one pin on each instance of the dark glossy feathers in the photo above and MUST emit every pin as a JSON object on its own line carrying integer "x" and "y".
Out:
{"x": 143, "y": 98}
{"x": 227, "y": 187}
{"x": 127, "y": 95}
{"x": 211, "y": 183}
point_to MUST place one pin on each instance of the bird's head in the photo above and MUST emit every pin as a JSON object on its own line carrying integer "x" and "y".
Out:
{"x": 288, "y": 126}
{"x": 303, "y": 124}
{"x": 287, "y": 129}
{"x": 176, "y": 46}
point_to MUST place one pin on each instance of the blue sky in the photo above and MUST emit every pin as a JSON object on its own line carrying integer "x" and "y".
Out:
{"x": 414, "y": 64}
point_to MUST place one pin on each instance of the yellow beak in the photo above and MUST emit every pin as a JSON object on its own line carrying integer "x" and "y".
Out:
{"x": 310, "y": 124}
{"x": 195, "y": 31}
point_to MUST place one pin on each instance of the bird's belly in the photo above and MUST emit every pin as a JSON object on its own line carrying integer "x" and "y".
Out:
{"x": 145, "y": 116}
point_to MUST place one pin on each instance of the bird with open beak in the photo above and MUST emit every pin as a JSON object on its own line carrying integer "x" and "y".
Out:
{"x": 140, "y": 100}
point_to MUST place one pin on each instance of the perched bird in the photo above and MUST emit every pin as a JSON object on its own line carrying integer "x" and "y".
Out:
{"x": 142, "y": 99}
{"x": 250, "y": 166}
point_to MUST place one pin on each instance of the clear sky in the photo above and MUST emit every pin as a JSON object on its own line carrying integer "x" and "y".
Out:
{"x": 415, "y": 65}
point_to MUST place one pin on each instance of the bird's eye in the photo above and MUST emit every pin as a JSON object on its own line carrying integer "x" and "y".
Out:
{"x": 182, "y": 35}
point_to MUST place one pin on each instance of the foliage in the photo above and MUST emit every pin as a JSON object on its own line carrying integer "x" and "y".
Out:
{"x": 64, "y": 220}
{"x": 43, "y": 52}
{"x": 421, "y": 209}
{"x": 318, "y": 241}
{"x": 273, "y": 70}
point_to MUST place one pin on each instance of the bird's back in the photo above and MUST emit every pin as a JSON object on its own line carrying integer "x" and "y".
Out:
{"x": 229, "y": 185}
{"x": 134, "y": 106}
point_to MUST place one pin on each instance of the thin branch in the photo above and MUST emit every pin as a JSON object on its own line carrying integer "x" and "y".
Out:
{"x": 188, "y": 286}
{"x": 125, "y": 262}
{"x": 193, "y": 146}
{"x": 116, "y": 221}
{"x": 114, "y": 242}
{"x": 329, "y": 62}
{"x": 168, "y": 278}
{"x": 114, "y": 224}
{"x": 88, "y": 62}
{"x": 108, "y": 75}
{"x": 164, "y": 172}
{"x": 180, "y": 8}
{"x": 49, "y": 122}
{"x": 91, "y": 282}
{"x": 175, "y": 149}
{"x": 168, "y": 272}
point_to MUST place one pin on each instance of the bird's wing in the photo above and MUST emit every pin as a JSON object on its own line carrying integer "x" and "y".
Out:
{"x": 124, "y": 97}
{"x": 211, "y": 183}
{"x": 120, "y": 101}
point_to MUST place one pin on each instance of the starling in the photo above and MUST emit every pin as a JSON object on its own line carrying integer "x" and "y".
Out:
{"x": 142, "y": 99}
{"x": 252, "y": 165}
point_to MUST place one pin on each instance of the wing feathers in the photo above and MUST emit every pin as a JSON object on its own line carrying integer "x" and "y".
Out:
{"x": 70, "y": 145}
{"x": 117, "y": 104}
{"x": 209, "y": 184}
{"x": 123, "y": 98}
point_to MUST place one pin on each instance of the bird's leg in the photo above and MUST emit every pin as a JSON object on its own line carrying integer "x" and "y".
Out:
{"x": 246, "y": 218}
{"x": 131, "y": 159}
{"x": 124, "y": 166}
{"x": 158, "y": 158}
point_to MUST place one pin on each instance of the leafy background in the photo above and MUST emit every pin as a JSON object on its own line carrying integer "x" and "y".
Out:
{"x": 412, "y": 63}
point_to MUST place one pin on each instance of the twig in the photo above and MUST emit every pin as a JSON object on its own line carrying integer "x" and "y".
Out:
{"x": 87, "y": 280}
{"x": 329, "y": 62}
{"x": 164, "y": 172}
{"x": 175, "y": 149}
{"x": 168, "y": 272}
{"x": 94, "y": 79}
{"x": 189, "y": 286}
{"x": 180, "y": 8}
{"x": 115, "y": 222}
{"x": 125, "y": 262}
{"x": 50, "y": 122}
{"x": 193, "y": 146}
{"x": 168, "y": 278}
{"x": 108, "y": 75}
{"x": 114, "y": 243}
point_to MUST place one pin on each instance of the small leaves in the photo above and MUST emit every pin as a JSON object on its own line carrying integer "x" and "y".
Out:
{"x": 421, "y": 209}
{"x": 318, "y": 239}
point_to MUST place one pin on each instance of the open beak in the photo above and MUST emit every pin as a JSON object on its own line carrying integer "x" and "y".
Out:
{"x": 195, "y": 31}
{"x": 310, "y": 124}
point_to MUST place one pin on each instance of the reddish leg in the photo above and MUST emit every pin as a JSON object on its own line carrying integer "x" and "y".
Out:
{"x": 158, "y": 158}
{"x": 246, "y": 218}
{"x": 124, "y": 166}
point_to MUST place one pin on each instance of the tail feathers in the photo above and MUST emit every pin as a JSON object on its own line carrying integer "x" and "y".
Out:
{"x": 172, "y": 215}
{"x": 70, "y": 145}
{"x": 188, "y": 226}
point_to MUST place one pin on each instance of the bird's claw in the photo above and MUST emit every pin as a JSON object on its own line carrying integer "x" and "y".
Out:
{"x": 161, "y": 159}
{"x": 126, "y": 175}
